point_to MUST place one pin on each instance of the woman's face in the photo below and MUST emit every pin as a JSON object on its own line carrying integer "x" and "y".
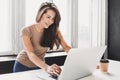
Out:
{"x": 48, "y": 18}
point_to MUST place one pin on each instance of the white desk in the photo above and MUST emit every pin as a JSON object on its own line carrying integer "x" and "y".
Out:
{"x": 113, "y": 74}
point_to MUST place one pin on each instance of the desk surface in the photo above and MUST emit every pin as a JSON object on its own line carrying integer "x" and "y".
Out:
{"x": 113, "y": 74}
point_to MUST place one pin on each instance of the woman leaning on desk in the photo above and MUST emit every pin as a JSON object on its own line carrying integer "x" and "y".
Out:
{"x": 38, "y": 38}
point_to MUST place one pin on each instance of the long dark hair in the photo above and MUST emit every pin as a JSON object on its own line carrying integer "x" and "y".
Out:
{"x": 50, "y": 35}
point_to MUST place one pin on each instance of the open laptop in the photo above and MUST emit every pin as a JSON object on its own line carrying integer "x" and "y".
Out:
{"x": 81, "y": 62}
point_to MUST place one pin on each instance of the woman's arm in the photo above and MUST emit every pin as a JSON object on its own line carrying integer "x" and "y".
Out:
{"x": 53, "y": 69}
{"x": 30, "y": 52}
{"x": 65, "y": 46}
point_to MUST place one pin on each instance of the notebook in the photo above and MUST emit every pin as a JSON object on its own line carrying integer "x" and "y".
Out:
{"x": 81, "y": 62}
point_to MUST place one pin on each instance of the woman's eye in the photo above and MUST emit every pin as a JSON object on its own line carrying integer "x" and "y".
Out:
{"x": 48, "y": 17}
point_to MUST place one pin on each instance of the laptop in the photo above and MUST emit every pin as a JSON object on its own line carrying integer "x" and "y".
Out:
{"x": 81, "y": 62}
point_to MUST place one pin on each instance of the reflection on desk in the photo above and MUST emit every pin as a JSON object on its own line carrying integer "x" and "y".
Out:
{"x": 112, "y": 74}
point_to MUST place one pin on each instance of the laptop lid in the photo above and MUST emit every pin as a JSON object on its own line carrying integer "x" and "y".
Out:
{"x": 81, "y": 62}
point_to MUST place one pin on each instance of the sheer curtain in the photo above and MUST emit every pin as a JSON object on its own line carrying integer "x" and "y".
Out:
{"x": 31, "y": 8}
{"x": 5, "y": 27}
{"x": 64, "y": 24}
{"x": 83, "y": 22}
{"x": 92, "y": 23}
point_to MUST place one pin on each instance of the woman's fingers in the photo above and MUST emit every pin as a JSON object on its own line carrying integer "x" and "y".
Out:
{"x": 56, "y": 67}
{"x": 55, "y": 73}
{"x": 54, "y": 70}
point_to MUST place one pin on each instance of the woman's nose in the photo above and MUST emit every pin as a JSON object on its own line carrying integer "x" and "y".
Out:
{"x": 50, "y": 21}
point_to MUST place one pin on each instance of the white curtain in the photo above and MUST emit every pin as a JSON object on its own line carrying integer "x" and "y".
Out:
{"x": 83, "y": 22}
{"x": 5, "y": 27}
{"x": 92, "y": 23}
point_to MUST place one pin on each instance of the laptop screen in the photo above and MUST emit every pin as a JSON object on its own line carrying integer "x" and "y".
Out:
{"x": 81, "y": 62}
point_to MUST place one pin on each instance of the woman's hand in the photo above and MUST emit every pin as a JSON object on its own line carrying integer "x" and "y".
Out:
{"x": 68, "y": 49}
{"x": 54, "y": 70}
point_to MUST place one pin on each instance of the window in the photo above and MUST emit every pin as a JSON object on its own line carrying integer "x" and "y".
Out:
{"x": 31, "y": 8}
{"x": 5, "y": 27}
{"x": 91, "y": 23}
{"x": 64, "y": 28}
{"x": 82, "y": 23}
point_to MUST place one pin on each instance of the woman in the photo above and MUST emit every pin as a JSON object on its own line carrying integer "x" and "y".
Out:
{"x": 38, "y": 37}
